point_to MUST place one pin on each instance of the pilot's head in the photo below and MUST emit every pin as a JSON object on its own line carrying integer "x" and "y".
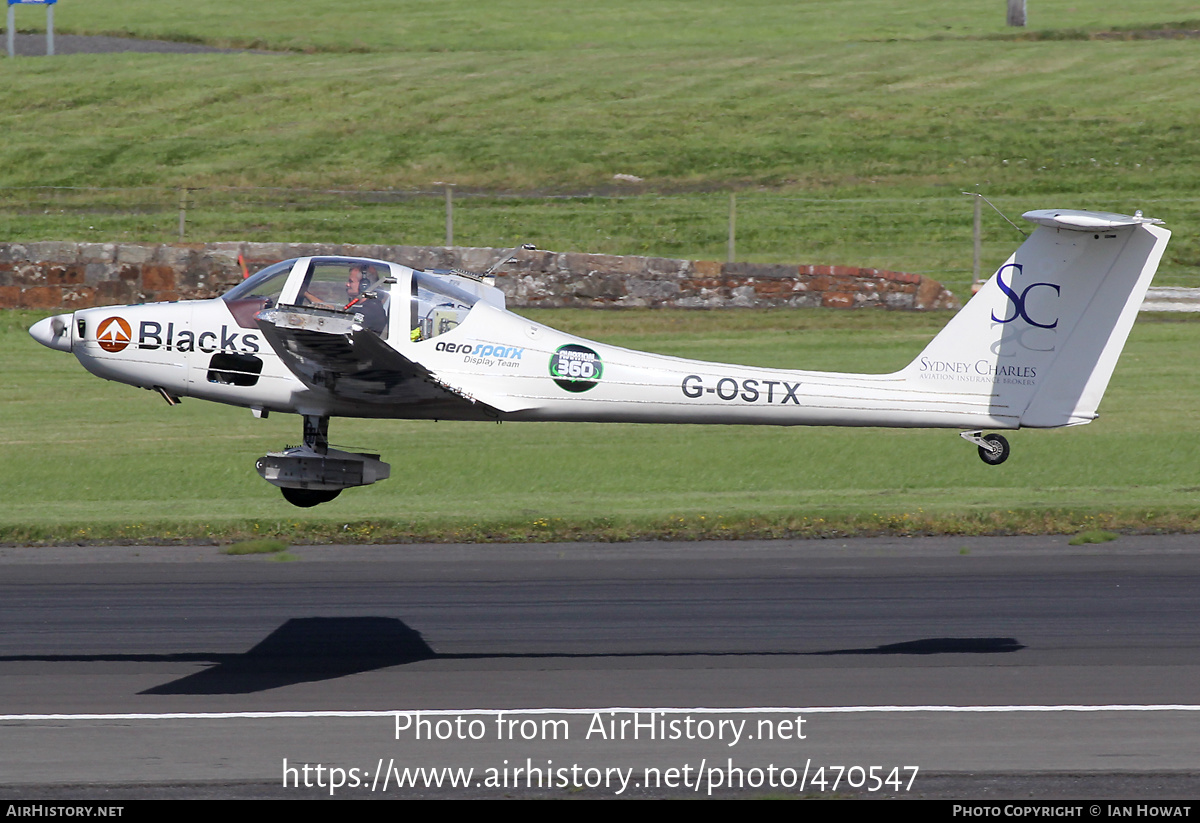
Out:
{"x": 360, "y": 280}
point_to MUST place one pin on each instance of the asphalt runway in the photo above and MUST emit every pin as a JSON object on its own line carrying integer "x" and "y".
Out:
{"x": 938, "y": 667}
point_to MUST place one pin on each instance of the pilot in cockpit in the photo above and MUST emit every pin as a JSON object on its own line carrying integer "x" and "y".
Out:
{"x": 360, "y": 283}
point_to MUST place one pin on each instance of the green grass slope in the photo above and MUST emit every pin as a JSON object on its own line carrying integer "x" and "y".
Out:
{"x": 849, "y": 129}
{"x": 538, "y": 25}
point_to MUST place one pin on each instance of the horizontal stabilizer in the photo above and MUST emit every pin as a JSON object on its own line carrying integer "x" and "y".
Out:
{"x": 1074, "y": 220}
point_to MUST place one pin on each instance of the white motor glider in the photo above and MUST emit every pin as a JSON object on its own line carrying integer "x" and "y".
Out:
{"x": 326, "y": 337}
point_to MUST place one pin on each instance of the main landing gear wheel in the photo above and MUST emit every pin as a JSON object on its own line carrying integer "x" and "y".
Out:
{"x": 999, "y": 451}
{"x": 307, "y": 498}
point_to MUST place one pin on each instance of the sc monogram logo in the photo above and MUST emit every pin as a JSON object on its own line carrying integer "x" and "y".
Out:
{"x": 1018, "y": 300}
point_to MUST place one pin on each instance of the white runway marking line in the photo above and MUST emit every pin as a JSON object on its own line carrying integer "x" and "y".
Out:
{"x": 1168, "y": 707}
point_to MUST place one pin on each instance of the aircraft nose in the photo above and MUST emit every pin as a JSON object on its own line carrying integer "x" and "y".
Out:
{"x": 53, "y": 332}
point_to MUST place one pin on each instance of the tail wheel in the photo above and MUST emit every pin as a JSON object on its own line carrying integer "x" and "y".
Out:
{"x": 998, "y": 452}
{"x": 307, "y": 498}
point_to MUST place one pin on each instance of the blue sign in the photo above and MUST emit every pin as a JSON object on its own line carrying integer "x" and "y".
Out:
{"x": 32, "y": 2}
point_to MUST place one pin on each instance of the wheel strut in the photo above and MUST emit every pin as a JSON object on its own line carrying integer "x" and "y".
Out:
{"x": 993, "y": 448}
{"x": 316, "y": 433}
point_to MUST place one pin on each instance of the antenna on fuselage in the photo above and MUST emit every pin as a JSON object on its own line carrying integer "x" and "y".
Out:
{"x": 507, "y": 257}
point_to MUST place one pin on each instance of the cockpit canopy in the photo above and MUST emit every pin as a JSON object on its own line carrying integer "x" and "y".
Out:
{"x": 438, "y": 300}
{"x": 264, "y": 284}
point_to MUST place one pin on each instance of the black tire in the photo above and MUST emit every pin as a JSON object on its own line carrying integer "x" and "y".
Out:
{"x": 997, "y": 457}
{"x": 307, "y": 498}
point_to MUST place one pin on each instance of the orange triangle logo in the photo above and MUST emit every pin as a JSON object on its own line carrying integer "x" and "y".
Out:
{"x": 114, "y": 334}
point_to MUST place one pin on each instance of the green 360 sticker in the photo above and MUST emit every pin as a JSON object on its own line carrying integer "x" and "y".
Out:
{"x": 576, "y": 368}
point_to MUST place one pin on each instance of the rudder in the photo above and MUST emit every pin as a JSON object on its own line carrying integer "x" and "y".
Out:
{"x": 1043, "y": 335}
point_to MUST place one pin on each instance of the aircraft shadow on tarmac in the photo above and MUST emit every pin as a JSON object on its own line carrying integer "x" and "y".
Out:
{"x": 306, "y": 649}
{"x": 311, "y": 649}
{"x": 324, "y": 648}
{"x": 940, "y": 645}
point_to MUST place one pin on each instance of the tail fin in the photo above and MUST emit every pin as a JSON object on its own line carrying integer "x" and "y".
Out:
{"x": 1042, "y": 337}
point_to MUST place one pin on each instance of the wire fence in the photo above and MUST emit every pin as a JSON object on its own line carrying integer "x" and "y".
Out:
{"x": 929, "y": 235}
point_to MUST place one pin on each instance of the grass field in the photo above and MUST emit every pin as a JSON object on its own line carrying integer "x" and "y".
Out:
{"x": 90, "y": 460}
{"x": 848, "y": 131}
{"x": 838, "y": 122}
{"x": 412, "y": 26}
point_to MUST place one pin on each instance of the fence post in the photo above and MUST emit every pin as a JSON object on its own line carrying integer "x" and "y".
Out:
{"x": 183, "y": 193}
{"x": 449, "y": 214}
{"x": 978, "y": 239}
{"x": 732, "y": 225}
{"x": 1016, "y": 13}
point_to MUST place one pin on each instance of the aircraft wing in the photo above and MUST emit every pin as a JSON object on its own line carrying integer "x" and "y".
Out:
{"x": 332, "y": 353}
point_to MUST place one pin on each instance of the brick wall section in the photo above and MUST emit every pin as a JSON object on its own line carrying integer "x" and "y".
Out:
{"x": 58, "y": 275}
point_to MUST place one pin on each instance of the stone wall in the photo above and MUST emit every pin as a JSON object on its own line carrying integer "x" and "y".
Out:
{"x": 54, "y": 275}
